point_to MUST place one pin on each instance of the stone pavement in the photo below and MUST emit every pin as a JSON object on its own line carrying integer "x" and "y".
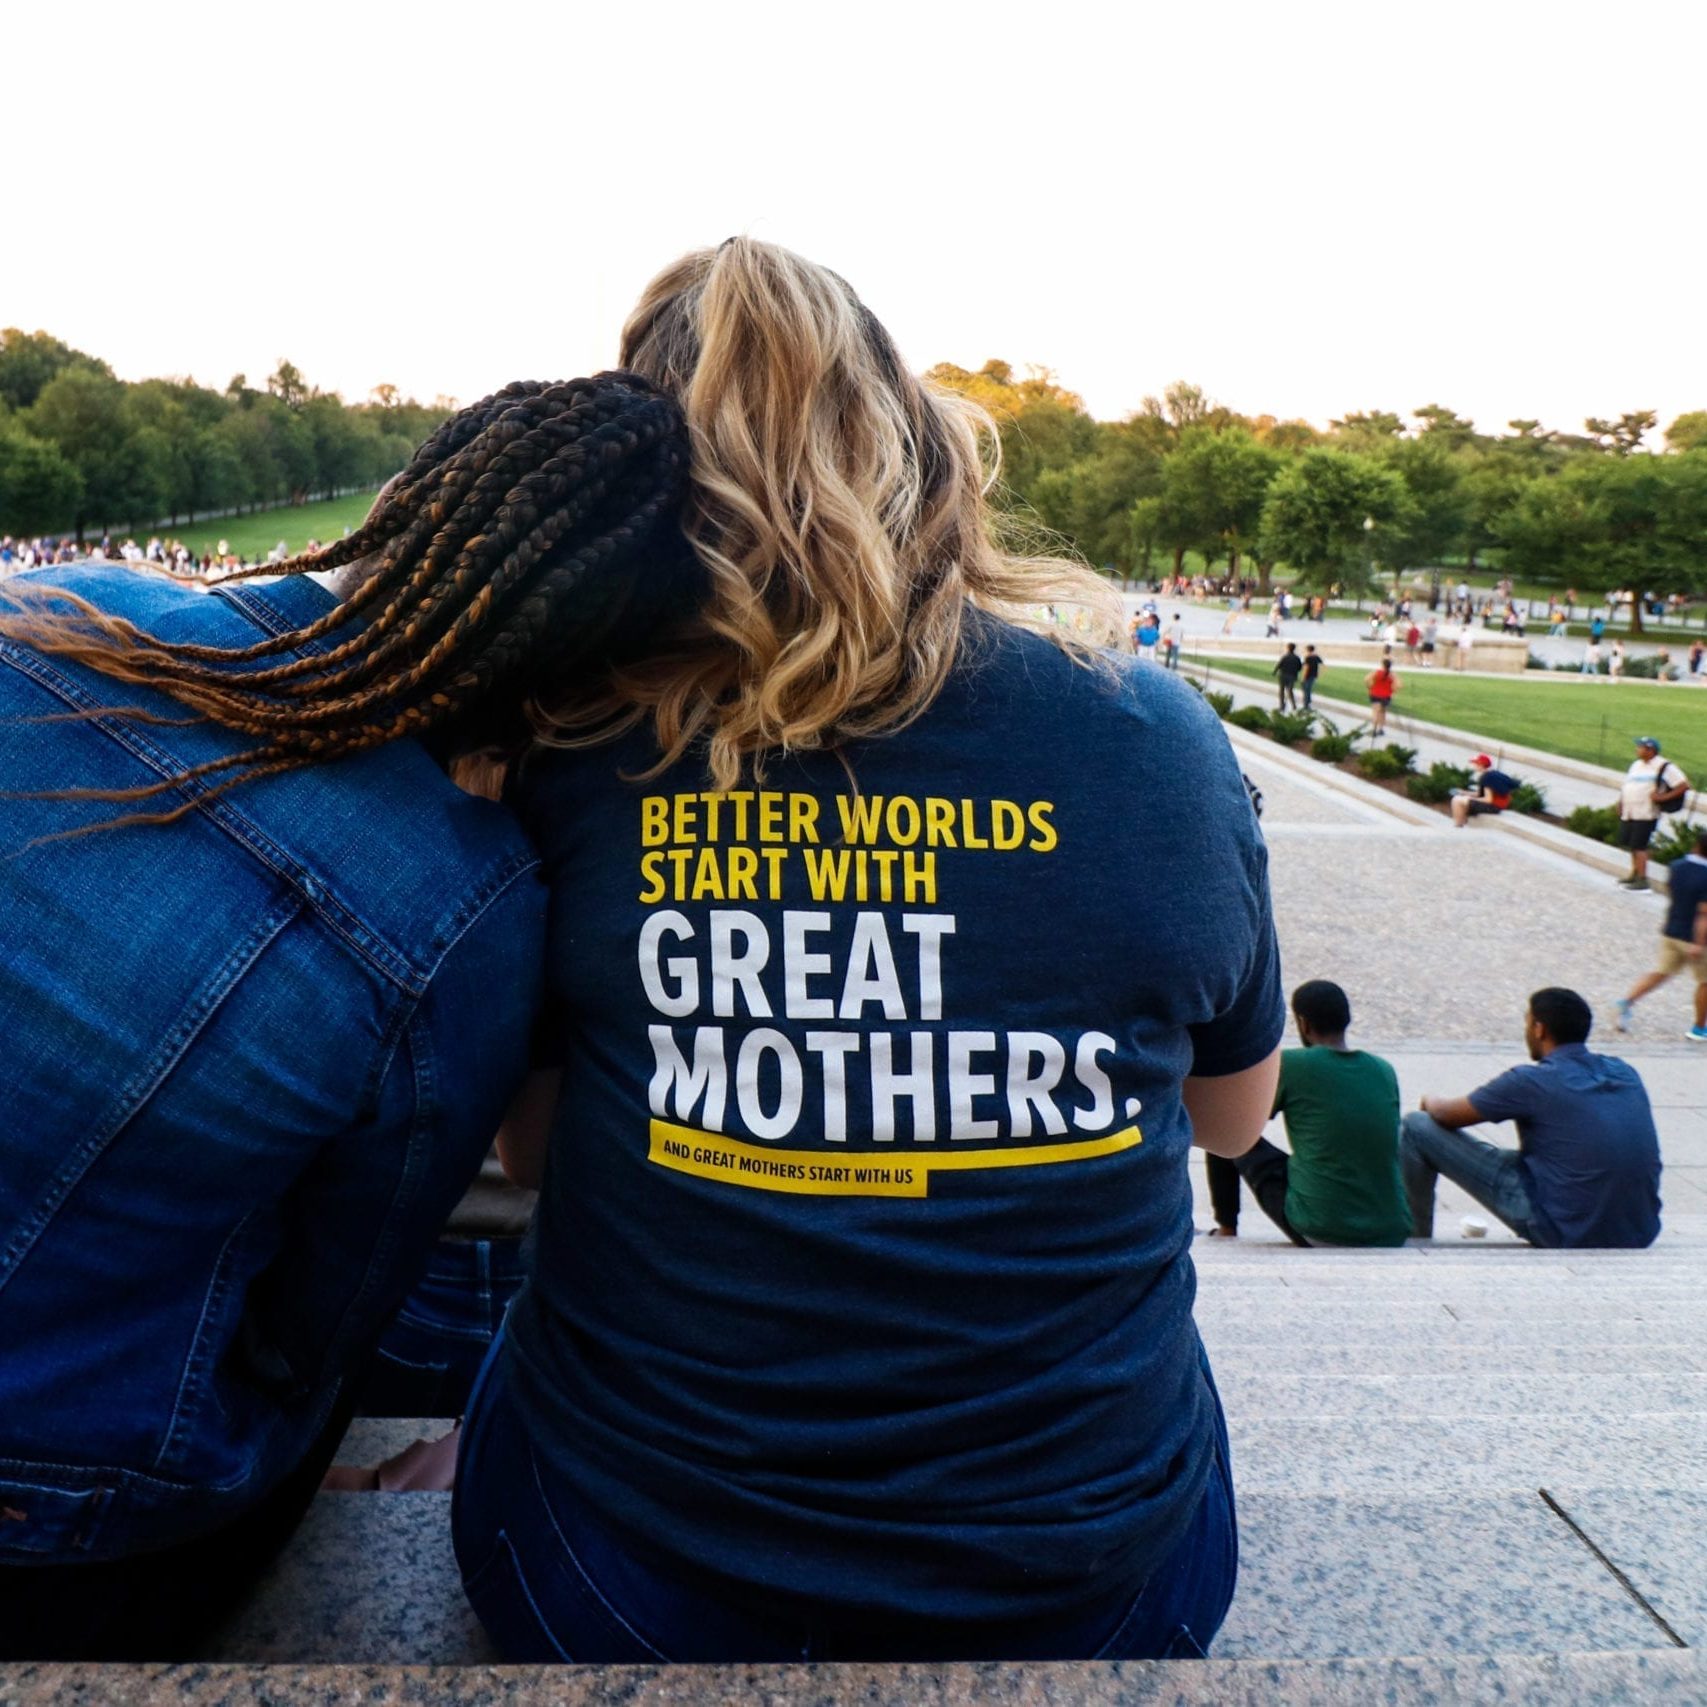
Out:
{"x": 1439, "y": 934}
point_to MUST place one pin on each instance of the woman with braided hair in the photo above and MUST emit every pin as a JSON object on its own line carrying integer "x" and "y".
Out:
{"x": 267, "y": 979}
{"x": 858, "y": 1316}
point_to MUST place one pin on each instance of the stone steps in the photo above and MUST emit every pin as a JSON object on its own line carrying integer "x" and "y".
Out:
{"x": 1665, "y": 1675}
{"x": 1322, "y": 1575}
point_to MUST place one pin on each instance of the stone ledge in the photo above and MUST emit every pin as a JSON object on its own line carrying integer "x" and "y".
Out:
{"x": 1658, "y": 1675}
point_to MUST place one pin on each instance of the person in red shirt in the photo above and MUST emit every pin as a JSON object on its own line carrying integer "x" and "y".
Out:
{"x": 1382, "y": 685}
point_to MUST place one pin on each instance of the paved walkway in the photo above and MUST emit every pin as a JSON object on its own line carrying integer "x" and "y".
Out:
{"x": 1439, "y": 934}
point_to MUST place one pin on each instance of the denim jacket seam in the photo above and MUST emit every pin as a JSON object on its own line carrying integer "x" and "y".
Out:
{"x": 140, "y": 1087}
{"x": 479, "y": 902}
{"x": 193, "y": 1380}
{"x": 425, "y": 1065}
{"x": 379, "y": 1254}
{"x": 384, "y": 957}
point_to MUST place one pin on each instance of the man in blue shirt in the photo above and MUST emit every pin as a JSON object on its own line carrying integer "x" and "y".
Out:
{"x": 1586, "y": 1171}
{"x": 1683, "y": 941}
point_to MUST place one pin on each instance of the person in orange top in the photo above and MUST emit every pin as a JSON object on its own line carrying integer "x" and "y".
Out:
{"x": 1382, "y": 685}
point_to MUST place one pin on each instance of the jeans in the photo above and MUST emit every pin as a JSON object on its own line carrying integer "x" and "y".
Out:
{"x": 1491, "y": 1175}
{"x": 550, "y": 1582}
{"x": 1264, "y": 1169}
{"x": 433, "y": 1347}
{"x": 160, "y": 1605}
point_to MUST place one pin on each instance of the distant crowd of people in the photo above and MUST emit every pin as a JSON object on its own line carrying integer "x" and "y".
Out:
{"x": 44, "y": 551}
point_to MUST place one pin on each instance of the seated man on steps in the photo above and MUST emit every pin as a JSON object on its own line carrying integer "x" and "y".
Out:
{"x": 1340, "y": 1185}
{"x": 1586, "y": 1170}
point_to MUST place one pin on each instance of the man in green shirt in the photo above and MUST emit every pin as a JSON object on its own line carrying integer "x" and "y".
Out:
{"x": 1341, "y": 1184}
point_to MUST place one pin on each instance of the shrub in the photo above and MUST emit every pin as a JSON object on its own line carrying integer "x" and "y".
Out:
{"x": 1650, "y": 669}
{"x": 1384, "y": 763}
{"x": 1535, "y": 661}
{"x": 1331, "y": 749}
{"x": 1220, "y": 703}
{"x": 1288, "y": 727}
{"x": 1437, "y": 785}
{"x": 1674, "y": 838}
{"x": 1248, "y": 717}
{"x": 1527, "y": 797}
{"x": 1599, "y": 823}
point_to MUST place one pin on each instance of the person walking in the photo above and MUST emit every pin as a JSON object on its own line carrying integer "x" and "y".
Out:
{"x": 1652, "y": 785}
{"x": 1381, "y": 684}
{"x": 1288, "y": 667}
{"x": 1586, "y": 1170}
{"x": 1591, "y": 658}
{"x": 1312, "y": 669}
{"x": 1683, "y": 938}
{"x": 1466, "y": 640}
{"x": 1172, "y": 642}
{"x": 1431, "y": 631}
{"x": 1615, "y": 661}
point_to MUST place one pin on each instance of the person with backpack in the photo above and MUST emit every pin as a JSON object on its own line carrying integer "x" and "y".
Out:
{"x": 1652, "y": 786}
{"x": 1489, "y": 793}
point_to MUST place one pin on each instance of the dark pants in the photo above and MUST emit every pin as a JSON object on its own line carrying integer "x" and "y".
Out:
{"x": 434, "y": 1346}
{"x": 1490, "y": 1174}
{"x": 158, "y": 1606}
{"x": 1263, "y": 1168}
{"x": 1288, "y": 693}
{"x": 1309, "y": 689}
{"x": 551, "y": 1582}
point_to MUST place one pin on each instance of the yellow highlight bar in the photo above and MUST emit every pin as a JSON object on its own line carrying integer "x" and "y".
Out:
{"x": 821, "y": 1173}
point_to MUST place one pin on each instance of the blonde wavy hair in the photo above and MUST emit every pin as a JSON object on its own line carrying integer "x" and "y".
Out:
{"x": 841, "y": 510}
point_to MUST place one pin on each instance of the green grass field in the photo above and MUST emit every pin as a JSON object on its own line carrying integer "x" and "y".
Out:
{"x": 1579, "y": 717}
{"x": 296, "y": 524}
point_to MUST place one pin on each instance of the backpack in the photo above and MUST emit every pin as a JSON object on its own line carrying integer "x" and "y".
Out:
{"x": 1675, "y": 804}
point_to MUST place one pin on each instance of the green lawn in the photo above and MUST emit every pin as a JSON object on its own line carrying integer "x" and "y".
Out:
{"x": 1580, "y": 717}
{"x": 296, "y": 524}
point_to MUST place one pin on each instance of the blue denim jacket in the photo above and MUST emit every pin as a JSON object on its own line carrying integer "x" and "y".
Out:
{"x": 248, "y": 1062}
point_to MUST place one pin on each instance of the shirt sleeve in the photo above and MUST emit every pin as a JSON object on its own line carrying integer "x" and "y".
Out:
{"x": 1251, "y": 1025}
{"x": 1509, "y": 1097}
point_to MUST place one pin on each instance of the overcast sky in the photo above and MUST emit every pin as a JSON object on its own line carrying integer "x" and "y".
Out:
{"x": 1306, "y": 208}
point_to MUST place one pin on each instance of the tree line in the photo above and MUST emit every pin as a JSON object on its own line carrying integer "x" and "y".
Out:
{"x": 83, "y": 451}
{"x": 1372, "y": 496}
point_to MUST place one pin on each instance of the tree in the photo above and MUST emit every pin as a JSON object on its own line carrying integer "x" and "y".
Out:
{"x": 1314, "y": 515}
{"x": 1369, "y": 430}
{"x": 83, "y": 413}
{"x": 39, "y": 488}
{"x": 287, "y": 385}
{"x": 1623, "y": 435}
{"x": 1688, "y": 432}
{"x": 1446, "y": 427}
{"x": 1439, "y": 506}
{"x": 28, "y": 360}
{"x": 1614, "y": 522}
{"x": 1182, "y": 406}
{"x": 1213, "y": 489}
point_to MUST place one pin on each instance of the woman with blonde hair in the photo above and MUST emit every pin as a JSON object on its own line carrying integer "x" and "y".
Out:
{"x": 859, "y": 1317}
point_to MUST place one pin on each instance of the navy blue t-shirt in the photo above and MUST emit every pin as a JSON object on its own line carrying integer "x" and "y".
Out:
{"x": 1591, "y": 1155}
{"x": 1687, "y": 879}
{"x": 861, "y": 1274}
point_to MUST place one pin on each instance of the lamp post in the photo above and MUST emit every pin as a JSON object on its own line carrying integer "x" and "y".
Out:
{"x": 1368, "y": 554}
